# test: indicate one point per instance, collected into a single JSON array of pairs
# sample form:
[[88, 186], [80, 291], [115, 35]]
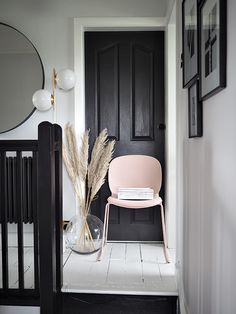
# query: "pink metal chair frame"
[[134, 171]]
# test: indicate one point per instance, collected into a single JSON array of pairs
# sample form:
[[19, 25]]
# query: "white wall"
[[207, 230], [49, 25], [170, 116]]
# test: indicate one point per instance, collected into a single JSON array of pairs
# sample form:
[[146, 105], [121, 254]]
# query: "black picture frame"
[[194, 111], [213, 44], [190, 41]]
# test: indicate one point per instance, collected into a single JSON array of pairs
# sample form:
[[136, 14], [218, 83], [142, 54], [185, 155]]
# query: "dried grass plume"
[[87, 178]]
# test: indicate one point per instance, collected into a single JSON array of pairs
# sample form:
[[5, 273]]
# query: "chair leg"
[[108, 212], [166, 251], [104, 236]]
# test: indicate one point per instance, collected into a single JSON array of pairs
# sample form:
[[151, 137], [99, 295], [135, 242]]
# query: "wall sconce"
[[43, 100]]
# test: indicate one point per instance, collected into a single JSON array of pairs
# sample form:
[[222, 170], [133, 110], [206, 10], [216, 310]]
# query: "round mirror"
[[21, 74]]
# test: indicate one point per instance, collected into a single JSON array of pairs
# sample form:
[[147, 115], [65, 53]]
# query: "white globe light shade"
[[66, 79], [42, 100]]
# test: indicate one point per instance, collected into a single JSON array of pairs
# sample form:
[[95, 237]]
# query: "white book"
[[135, 193]]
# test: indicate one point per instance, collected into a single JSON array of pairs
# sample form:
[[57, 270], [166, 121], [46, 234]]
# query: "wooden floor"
[[13, 268], [126, 268]]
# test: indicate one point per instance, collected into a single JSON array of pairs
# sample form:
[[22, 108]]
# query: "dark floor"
[[118, 304]]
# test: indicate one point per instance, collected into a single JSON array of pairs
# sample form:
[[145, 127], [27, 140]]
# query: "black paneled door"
[[125, 94]]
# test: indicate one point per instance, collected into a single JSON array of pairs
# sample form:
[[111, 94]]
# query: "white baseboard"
[[182, 302], [183, 309]]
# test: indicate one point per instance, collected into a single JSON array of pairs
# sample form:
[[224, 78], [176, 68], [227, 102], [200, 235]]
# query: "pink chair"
[[134, 171]]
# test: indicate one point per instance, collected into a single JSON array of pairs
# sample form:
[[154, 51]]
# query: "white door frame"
[[111, 24]]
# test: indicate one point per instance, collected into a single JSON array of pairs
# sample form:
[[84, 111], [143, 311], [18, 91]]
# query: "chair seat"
[[134, 204]]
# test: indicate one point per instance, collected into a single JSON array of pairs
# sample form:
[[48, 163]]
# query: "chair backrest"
[[134, 171]]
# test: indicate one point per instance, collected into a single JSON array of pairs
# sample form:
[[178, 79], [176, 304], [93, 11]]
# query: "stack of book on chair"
[[135, 194]]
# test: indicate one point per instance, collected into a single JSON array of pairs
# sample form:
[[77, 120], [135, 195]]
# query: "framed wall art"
[[190, 41], [194, 111], [212, 47]]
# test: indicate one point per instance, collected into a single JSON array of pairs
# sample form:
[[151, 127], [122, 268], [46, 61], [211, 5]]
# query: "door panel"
[[107, 93], [142, 94], [125, 94]]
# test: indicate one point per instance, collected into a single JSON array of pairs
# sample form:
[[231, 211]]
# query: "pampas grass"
[[86, 177]]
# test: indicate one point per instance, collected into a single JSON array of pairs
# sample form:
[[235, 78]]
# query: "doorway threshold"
[[127, 268]]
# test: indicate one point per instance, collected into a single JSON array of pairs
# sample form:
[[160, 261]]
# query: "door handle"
[[161, 126]]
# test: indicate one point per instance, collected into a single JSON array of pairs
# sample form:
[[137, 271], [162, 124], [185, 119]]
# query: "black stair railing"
[[31, 192]]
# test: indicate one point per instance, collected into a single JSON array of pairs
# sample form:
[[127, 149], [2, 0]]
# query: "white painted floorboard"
[[126, 268]]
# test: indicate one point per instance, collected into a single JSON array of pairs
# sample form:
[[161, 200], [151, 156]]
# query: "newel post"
[[50, 217]]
